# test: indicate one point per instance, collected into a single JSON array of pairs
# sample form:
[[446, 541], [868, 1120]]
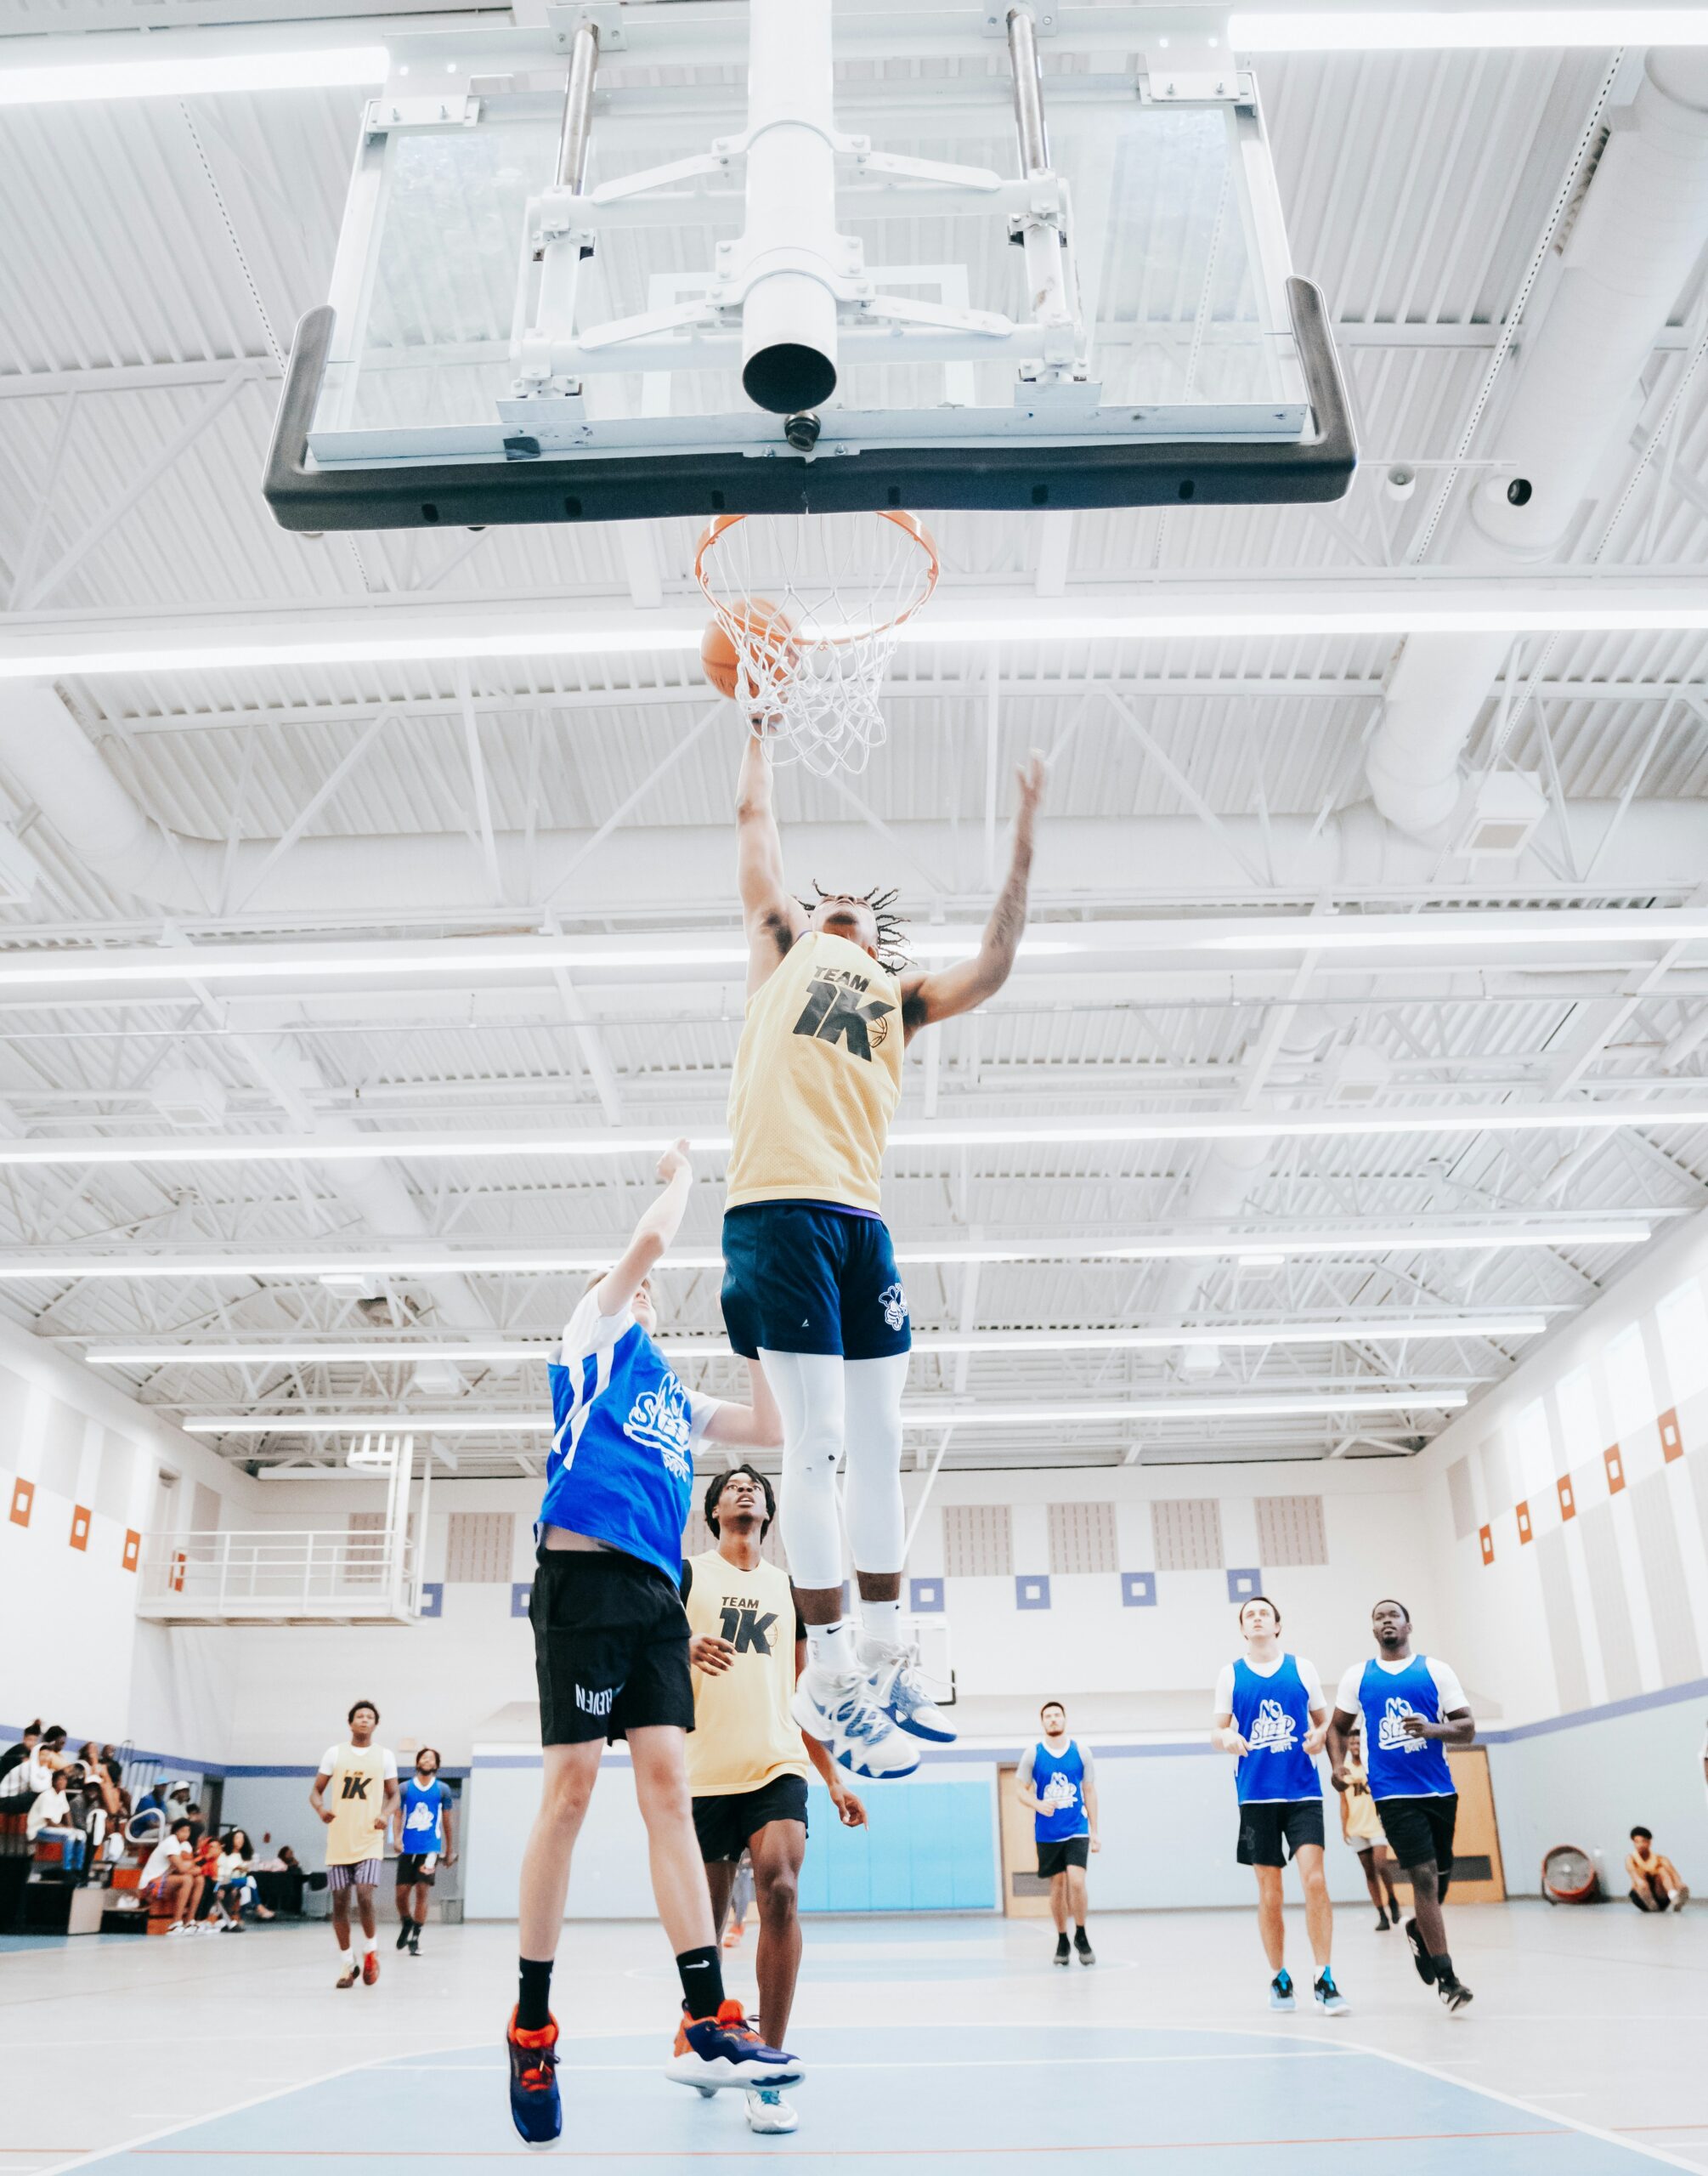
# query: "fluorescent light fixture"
[[184, 76], [1242, 1408], [70, 970], [1402, 1328], [1464, 30], [603, 1144], [47, 1264], [1521, 607]]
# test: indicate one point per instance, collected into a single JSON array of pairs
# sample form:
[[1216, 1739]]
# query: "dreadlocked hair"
[[892, 954]]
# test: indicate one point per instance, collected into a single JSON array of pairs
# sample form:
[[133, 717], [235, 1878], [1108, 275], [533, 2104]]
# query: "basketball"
[[758, 617]]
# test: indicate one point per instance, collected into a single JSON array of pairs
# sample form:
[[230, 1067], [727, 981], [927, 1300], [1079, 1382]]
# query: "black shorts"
[[1421, 1830], [1056, 1858], [1272, 1831], [610, 1647], [412, 1867], [801, 1278], [726, 1825]]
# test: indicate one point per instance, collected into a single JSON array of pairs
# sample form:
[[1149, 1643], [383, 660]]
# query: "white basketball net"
[[813, 606]]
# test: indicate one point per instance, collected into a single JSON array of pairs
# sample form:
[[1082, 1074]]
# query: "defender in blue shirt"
[[1411, 1709], [1271, 1714], [1056, 1783], [424, 1836], [611, 1653]]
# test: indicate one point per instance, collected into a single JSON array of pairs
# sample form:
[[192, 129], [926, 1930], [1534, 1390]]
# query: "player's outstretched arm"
[[1341, 1724], [756, 1427], [772, 916], [943, 993], [651, 1235]]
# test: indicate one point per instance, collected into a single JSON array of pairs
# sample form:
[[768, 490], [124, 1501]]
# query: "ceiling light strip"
[[603, 1145], [1466, 30], [186, 76], [1376, 1238], [987, 1416]]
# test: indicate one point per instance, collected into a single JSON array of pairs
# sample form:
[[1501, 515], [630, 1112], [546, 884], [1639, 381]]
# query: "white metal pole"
[[422, 1530], [788, 319]]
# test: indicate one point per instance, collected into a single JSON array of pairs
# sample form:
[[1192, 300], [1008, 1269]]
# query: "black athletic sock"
[[1445, 1976], [533, 2000], [1061, 1943], [1079, 1941], [701, 1977]]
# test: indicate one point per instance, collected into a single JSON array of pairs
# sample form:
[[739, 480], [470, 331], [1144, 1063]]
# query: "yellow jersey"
[[357, 1796], [744, 1733], [1363, 1822], [817, 1077]]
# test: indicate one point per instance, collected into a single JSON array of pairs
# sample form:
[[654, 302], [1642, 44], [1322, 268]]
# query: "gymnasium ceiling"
[[154, 256]]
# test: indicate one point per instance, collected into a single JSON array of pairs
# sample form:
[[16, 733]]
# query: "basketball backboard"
[[779, 257]]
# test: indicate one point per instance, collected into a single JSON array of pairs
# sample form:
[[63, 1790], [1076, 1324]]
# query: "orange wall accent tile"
[[1614, 1459], [1487, 1536], [1568, 1500], [23, 1499], [81, 1515], [1523, 1511], [133, 1542], [1671, 1441]]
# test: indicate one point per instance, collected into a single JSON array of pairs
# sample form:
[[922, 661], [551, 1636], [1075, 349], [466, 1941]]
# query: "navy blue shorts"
[[799, 1278]]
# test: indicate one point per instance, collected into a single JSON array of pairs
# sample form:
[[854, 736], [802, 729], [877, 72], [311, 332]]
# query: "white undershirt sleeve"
[[1224, 1694], [1448, 1685], [1311, 1682], [327, 1760], [1346, 1697]]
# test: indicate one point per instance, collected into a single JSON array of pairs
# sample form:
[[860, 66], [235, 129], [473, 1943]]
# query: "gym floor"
[[933, 2043]]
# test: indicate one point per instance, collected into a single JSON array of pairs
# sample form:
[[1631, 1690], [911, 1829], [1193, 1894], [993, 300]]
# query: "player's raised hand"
[[674, 1160], [1030, 779]]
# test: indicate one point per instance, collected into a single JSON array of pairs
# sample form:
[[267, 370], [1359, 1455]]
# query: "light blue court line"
[[11, 1942], [917, 2101]]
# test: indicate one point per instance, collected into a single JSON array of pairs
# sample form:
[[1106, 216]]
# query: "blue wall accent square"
[[1245, 1583], [433, 1599], [1139, 1590], [924, 1597], [521, 1594], [1031, 1590]]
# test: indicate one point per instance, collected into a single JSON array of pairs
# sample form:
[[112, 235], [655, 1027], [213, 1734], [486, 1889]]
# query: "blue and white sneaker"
[[859, 1736], [1280, 1991], [894, 1683], [536, 2107], [1329, 1997], [714, 2051]]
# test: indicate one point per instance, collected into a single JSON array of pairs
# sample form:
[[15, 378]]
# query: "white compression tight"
[[825, 1401]]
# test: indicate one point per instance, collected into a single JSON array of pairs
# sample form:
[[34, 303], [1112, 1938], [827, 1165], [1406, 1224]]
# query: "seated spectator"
[[1654, 1883], [170, 1885], [56, 1815], [206, 1849], [16, 1760], [238, 1890]]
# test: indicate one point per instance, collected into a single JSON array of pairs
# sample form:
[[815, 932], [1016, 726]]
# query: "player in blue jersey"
[[425, 1839], [611, 1653], [1412, 1708], [1057, 1783], [1270, 1714]]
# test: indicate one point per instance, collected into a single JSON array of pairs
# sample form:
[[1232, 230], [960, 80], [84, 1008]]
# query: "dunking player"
[[747, 1758], [363, 1778], [1269, 1713], [810, 1282], [1409, 1708], [611, 1653]]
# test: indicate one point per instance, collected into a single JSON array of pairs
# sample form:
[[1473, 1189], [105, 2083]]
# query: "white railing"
[[270, 1573]]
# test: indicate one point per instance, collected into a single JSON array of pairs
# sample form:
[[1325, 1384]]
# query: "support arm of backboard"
[[638, 486]]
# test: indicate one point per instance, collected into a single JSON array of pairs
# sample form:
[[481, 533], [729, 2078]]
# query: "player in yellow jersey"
[[747, 1756], [810, 1282], [362, 1778]]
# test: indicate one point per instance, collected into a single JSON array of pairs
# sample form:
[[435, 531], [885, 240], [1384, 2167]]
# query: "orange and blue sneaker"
[[714, 2051], [536, 2108]]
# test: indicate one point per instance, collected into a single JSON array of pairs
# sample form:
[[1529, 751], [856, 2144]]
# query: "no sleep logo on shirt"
[[833, 1013]]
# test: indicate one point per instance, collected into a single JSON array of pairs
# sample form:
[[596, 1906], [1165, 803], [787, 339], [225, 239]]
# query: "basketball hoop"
[[809, 609]]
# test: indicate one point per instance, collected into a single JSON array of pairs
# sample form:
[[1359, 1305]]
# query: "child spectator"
[[1654, 1883]]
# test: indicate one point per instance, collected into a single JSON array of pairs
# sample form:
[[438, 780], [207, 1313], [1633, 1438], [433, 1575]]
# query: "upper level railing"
[[269, 1575]]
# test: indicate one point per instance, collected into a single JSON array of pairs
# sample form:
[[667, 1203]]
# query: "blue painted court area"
[[908, 2101]]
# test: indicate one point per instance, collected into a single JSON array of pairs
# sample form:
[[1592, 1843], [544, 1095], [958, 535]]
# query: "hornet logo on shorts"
[[1273, 1730], [1391, 1731], [659, 1419], [894, 1302]]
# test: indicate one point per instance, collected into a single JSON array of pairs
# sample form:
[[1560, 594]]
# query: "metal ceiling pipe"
[[1638, 238]]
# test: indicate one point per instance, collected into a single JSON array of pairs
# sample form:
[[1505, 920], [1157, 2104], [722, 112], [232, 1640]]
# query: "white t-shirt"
[[588, 1331], [1451, 1692], [1307, 1677], [160, 1860], [52, 1810]]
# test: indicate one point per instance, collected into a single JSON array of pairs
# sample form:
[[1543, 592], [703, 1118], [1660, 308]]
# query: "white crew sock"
[[881, 1627], [831, 1650], [367, 1940]]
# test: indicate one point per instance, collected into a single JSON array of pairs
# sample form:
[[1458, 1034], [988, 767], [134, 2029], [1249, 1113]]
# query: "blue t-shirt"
[[424, 1805], [621, 1468], [1058, 1781], [1399, 1767], [1272, 1714]]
